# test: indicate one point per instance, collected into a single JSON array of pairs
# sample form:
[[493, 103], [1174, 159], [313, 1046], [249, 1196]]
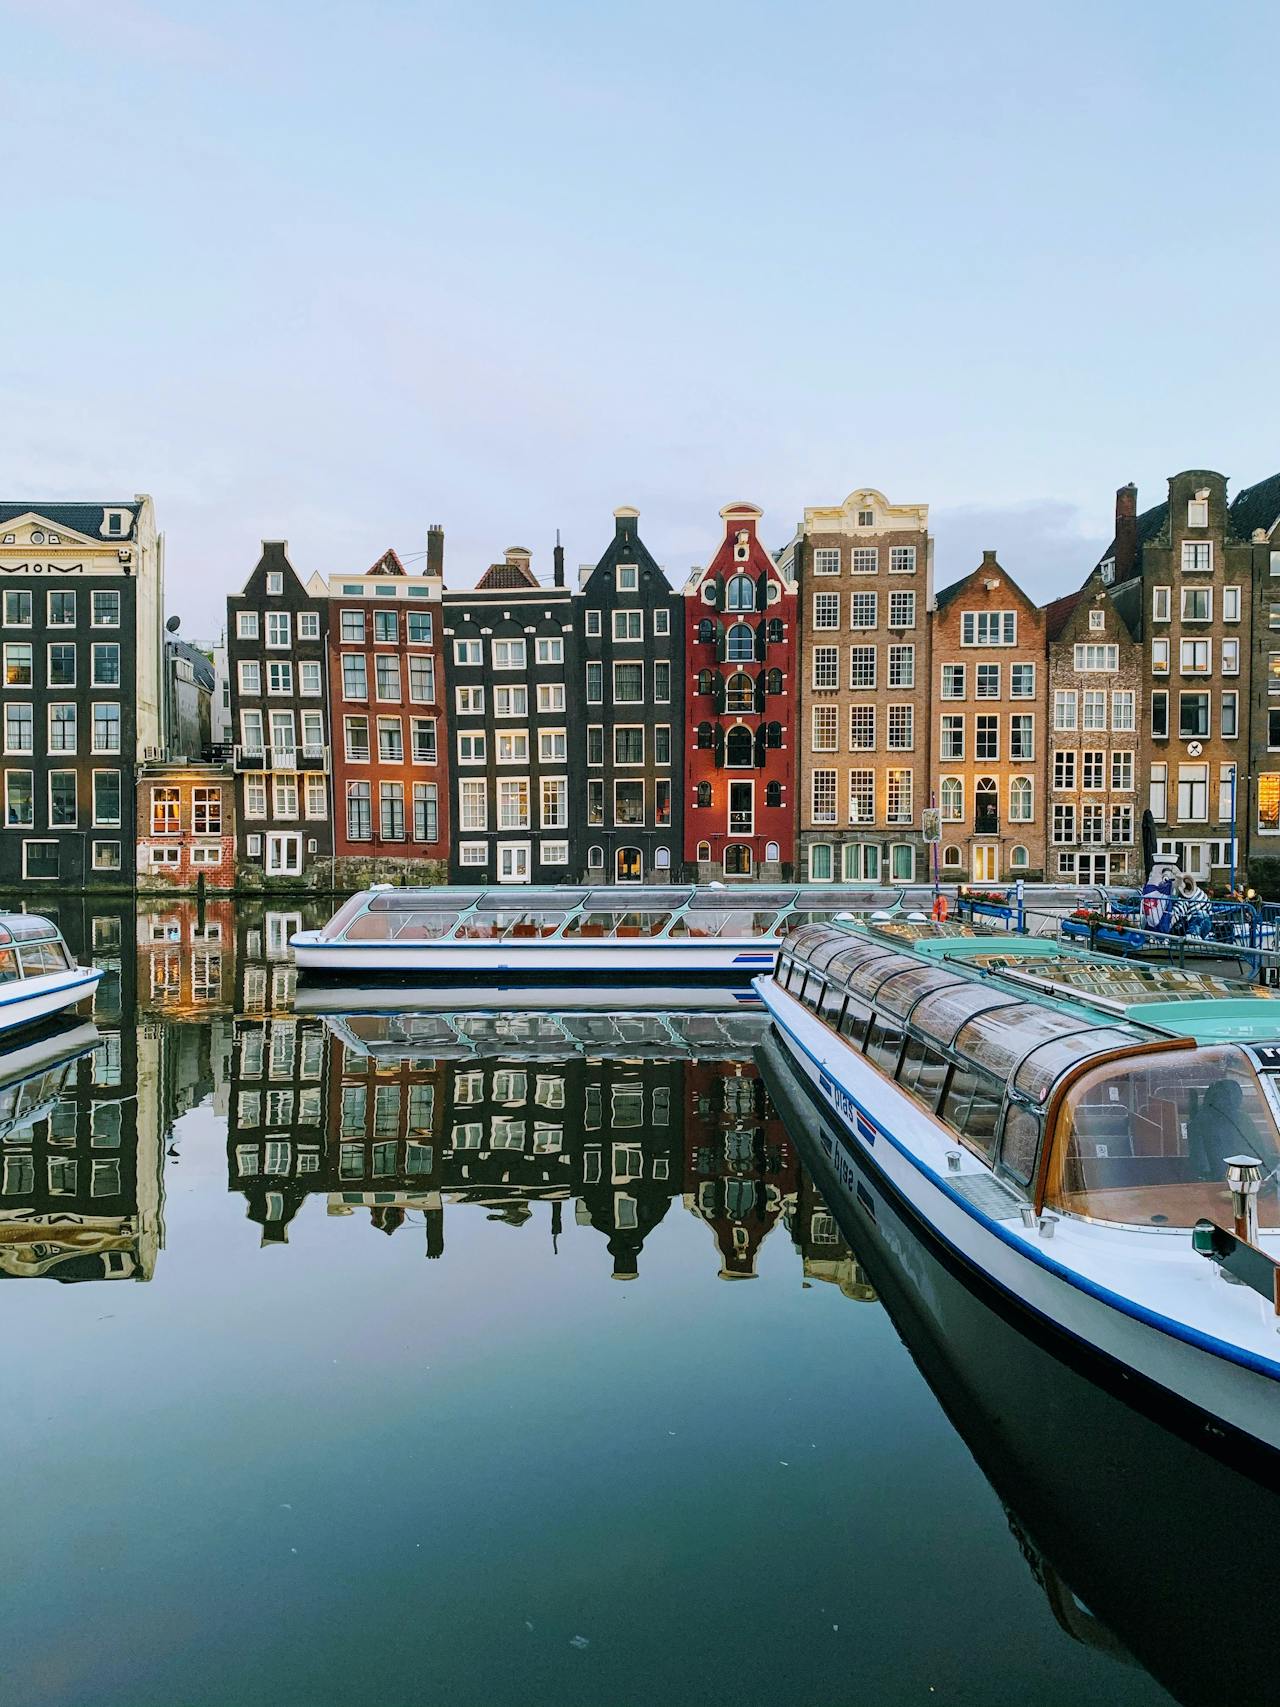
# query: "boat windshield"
[[405, 927], [30, 927], [41, 957], [1145, 1140]]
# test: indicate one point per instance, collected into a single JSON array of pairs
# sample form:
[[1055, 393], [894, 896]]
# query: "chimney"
[[558, 559], [435, 550], [624, 522], [1126, 549], [988, 559]]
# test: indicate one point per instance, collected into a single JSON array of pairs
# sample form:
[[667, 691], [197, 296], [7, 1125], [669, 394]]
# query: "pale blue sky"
[[333, 272]]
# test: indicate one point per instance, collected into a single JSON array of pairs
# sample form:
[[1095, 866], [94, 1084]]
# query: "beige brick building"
[[988, 713], [865, 575]]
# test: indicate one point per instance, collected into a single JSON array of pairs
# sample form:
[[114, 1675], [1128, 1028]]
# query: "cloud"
[[1046, 544]]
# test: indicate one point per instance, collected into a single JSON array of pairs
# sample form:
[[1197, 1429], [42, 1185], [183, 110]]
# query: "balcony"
[[281, 758]]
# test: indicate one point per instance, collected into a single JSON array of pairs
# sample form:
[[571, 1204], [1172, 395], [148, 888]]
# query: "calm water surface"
[[521, 1362]]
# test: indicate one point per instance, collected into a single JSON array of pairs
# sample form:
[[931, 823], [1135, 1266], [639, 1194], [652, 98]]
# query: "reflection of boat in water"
[[1141, 1540], [496, 995], [669, 935], [1062, 1131], [550, 1035]]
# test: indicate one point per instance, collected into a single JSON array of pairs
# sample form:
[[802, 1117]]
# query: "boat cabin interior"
[[30, 946], [1054, 1072]]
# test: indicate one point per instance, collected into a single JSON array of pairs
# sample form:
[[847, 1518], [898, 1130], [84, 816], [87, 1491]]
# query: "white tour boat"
[[38, 977], [1095, 1141], [677, 935]]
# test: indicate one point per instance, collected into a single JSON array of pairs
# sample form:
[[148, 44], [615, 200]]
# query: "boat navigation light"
[[1244, 1177]]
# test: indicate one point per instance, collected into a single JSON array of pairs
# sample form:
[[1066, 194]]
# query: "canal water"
[[494, 1359]]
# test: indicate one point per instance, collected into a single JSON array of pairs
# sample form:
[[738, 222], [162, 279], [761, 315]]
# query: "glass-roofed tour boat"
[[38, 977], [1096, 1142], [568, 934]]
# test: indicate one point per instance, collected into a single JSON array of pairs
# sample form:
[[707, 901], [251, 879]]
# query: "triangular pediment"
[[387, 564], [19, 533]]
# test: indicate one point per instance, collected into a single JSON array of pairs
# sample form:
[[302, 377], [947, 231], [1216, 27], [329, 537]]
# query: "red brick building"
[[740, 709], [386, 688], [186, 826]]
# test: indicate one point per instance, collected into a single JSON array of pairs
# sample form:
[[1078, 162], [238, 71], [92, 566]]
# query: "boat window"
[[999, 1041], [698, 921], [8, 966], [371, 927], [899, 994], [616, 924], [342, 918], [865, 980], [31, 927], [923, 1072], [832, 1003], [423, 927], [854, 1021], [1146, 1140], [41, 957], [1044, 1066], [1020, 1143], [884, 1043], [941, 1014], [829, 945], [971, 1108], [813, 989]]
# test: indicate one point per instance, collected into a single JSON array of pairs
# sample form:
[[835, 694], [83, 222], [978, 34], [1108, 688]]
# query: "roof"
[[1257, 506], [79, 518], [990, 563], [1058, 612], [201, 664], [387, 564], [1126, 598], [504, 575], [1150, 523]]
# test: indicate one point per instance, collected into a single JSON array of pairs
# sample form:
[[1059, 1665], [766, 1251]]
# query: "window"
[[1193, 794], [40, 860], [953, 681], [1122, 772], [1159, 792], [902, 666], [1198, 511], [62, 607], [862, 728], [1160, 714], [423, 736], [898, 798], [468, 652], [391, 811], [987, 681], [1122, 710], [595, 682], [509, 655], [595, 800], [1122, 825], [513, 804], [355, 680], [628, 684], [1103, 657], [1197, 555], [1160, 604], [422, 679], [351, 627], [740, 643], [553, 746], [1020, 800], [62, 728], [1193, 716], [106, 856], [1095, 709], [1231, 604], [553, 853], [824, 797], [1064, 822], [628, 803], [826, 666], [628, 625], [1092, 770], [988, 628], [473, 748], [555, 803], [1022, 681], [106, 798], [1022, 736], [1197, 604], [550, 696], [1093, 825], [820, 867], [1097, 621], [902, 559], [951, 799], [62, 664], [902, 610], [865, 559], [17, 607], [662, 681], [628, 577], [308, 625], [279, 629], [206, 809], [310, 684], [1231, 657], [986, 736], [628, 744], [862, 797], [473, 804], [512, 746], [255, 795], [386, 675], [1064, 770], [247, 625], [360, 811], [902, 727], [826, 560], [862, 610], [952, 735], [279, 677], [662, 744], [275, 581], [662, 622], [390, 740], [511, 702], [19, 727], [386, 627], [862, 666], [1065, 702], [826, 611], [1229, 717], [62, 800]]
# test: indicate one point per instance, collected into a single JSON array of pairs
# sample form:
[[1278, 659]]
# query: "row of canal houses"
[[818, 712]]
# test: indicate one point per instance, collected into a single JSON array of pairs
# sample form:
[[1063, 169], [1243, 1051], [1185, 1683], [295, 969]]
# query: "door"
[[513, 862], [629, 866], [986, 864], [284, 855]]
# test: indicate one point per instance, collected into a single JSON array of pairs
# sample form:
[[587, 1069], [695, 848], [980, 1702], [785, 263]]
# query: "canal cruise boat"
[[38, 977], [1093, 1142], [674, 935]]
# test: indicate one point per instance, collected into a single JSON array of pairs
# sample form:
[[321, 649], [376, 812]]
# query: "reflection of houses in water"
[[276, 1119], [741, 1164], [384, 1150], [186, 958], [264, 971], [823, 1250], [81, 1189]]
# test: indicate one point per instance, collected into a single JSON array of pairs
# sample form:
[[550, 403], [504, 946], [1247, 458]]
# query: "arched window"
[[359, 811], [772, 851], [595, 859], [704, 852], [706, 632], [737, 860], [740, 644], [740, 693], [704, 795], [952, 798], [1019, 858], [902, 863], [773, 734], [773, 634], [1020, 800], [706, 681], [773, 794], [773, 681], [706, 736], [986, 807], [662, 859], [950, 856], [739, 747], [740, 594]]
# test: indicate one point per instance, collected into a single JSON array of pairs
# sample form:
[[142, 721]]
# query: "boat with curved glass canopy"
[[565, 933], [38, 977], [1079, 1133]]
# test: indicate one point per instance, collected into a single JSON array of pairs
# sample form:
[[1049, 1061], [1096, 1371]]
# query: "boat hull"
[[31, 1000], [1231, 1390], [548, 961]]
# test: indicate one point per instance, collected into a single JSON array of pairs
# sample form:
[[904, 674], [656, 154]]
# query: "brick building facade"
[[186, 826]]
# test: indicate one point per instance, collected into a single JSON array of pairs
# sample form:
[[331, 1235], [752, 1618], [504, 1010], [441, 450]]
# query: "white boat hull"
[[30, 1000], [878, 1129], [547, 959]]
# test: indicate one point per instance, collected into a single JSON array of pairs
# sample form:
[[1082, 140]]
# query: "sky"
[[331, 273]]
